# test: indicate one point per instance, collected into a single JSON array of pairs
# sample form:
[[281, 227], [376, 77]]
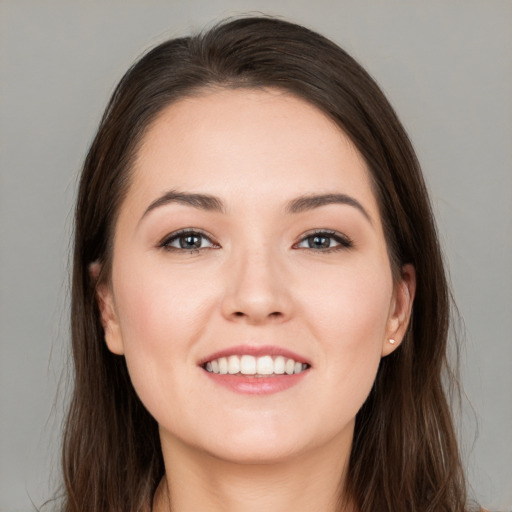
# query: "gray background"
[[445, 65]]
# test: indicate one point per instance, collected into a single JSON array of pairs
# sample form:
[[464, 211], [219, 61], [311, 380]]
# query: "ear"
[[106, 305], [400, 310]]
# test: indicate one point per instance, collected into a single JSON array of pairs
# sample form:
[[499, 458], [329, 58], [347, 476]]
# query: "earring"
[[392, 341]]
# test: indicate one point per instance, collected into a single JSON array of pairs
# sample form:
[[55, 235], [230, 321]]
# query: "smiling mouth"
[[263, 366]]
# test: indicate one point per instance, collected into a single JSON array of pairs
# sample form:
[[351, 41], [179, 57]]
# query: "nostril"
[[274, 314]]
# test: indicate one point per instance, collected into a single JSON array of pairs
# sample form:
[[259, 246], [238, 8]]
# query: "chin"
[[261, 445], [259, 454]]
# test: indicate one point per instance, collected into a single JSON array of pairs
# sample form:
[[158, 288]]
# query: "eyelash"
[[343, 241], [182, 233]]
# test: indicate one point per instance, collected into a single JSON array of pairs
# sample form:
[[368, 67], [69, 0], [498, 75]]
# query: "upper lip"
[[256, 351]]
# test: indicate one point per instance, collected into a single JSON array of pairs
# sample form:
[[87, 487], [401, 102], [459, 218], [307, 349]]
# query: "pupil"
[[322, 242], [190, 242]]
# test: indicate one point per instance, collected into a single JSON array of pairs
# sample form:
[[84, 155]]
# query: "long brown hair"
[[404, 455]]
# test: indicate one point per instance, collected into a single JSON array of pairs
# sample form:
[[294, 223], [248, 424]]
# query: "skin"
[[255, 281]]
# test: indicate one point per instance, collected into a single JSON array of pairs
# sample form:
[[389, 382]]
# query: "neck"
[[198, 481]]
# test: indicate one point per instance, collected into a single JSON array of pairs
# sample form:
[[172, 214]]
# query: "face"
[[250, 237]]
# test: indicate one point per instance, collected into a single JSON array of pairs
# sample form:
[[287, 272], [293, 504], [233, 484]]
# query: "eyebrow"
[[199, 201], [309, 202], [301, 204]]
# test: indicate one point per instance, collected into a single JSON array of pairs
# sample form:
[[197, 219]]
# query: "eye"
[[325, 241], [187, 240]]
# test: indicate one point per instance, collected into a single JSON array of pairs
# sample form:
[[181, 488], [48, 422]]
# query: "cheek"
[[158, 308], [350, 305], [161, 315], [351, 328]]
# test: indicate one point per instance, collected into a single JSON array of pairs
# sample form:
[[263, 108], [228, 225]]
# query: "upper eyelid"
[[344, 241], [318, 231], [180, 232], [329, 232]]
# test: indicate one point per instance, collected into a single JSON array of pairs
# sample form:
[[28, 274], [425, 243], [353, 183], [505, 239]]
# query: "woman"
[[259, 308]]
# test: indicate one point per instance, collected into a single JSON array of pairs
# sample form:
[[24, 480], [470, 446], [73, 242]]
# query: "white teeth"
[[223, 366], [279, 365], [233, 365], [265, 365], [250, 365]]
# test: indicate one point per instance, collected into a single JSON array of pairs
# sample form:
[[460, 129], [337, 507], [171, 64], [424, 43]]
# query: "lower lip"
[[250, 385]]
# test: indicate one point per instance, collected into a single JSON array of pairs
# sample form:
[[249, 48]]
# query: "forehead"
[[263, 141]]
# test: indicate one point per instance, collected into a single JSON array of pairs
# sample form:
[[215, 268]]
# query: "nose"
[[257, 289]]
